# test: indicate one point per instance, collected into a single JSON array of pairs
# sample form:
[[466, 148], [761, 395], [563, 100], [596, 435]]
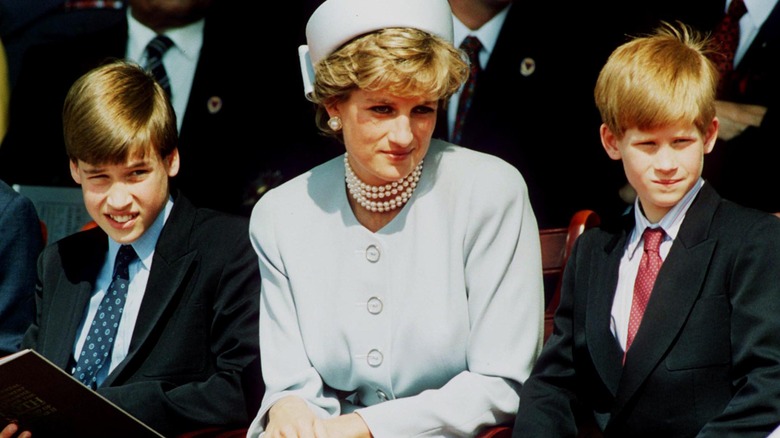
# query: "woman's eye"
[[381, 109], [424, 110]]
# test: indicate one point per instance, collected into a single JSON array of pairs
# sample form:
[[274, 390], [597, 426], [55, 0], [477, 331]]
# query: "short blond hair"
[[658, 80], [402, 61], [115, 111]]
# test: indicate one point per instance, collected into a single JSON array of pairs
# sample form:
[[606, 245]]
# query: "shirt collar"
[[487, 34], [758, 10], [144, 245], [188, 39], [670, 223]]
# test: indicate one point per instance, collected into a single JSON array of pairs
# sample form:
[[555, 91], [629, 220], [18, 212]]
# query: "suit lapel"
[[604, 349], [767, 35], [170, 266], [678, 286], [81, 262]]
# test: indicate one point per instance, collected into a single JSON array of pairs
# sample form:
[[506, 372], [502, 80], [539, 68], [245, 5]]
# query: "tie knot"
[[472, 46], [653, 238], [124, 257], [158, 46], [737, 9]]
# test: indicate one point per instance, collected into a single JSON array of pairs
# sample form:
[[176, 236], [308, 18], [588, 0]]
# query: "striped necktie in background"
[[472, 46], [154, 54]]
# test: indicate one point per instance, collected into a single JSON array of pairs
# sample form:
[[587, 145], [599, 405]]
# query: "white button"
[[372, 253], [374, 305], [374, 358], [381, 394]]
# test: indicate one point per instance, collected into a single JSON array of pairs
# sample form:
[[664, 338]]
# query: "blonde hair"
[[658, 80], [116, 111], [402, 61]]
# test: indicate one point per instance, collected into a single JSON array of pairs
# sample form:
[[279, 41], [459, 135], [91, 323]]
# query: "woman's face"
[[386, 136]]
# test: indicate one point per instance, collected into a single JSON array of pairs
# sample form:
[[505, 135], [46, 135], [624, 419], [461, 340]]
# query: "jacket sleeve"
[[754, 295], [19, 248]]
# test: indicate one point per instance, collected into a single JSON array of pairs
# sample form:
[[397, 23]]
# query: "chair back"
[[556, 247], [44, 232]]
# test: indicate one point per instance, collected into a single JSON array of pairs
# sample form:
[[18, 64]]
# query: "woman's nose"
[[401, 131]]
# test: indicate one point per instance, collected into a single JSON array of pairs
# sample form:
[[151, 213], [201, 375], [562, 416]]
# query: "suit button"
[[381, 395], [372, 254], [374, 305], [374, 358]]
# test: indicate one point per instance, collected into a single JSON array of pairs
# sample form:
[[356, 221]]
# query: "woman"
[[402, 288]]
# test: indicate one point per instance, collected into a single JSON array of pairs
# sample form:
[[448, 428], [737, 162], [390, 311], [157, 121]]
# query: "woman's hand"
[[11, 430], [292, 417], [347, 426]]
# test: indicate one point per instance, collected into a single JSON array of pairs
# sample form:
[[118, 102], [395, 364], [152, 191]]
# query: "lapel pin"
[[527, 67], [214, 104]]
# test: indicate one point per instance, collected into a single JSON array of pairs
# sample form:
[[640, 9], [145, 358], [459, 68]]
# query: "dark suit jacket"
[[194, 356], [224, 151], [545, 123], [706, 359], [20, 245]]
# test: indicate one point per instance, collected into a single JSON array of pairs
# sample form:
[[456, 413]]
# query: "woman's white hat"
[[336, 22]]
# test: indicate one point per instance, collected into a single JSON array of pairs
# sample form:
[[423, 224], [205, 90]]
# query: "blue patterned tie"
[[97, 347], [154, 54]]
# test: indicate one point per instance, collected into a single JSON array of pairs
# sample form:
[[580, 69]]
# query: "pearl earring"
[[334, 123]]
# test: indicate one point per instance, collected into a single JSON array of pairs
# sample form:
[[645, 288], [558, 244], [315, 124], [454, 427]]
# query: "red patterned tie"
[[471, 46], [645, 279], [726, 39]]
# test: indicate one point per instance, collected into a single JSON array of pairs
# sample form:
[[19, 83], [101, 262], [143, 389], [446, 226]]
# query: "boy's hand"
[[11, 430], [736, 117]]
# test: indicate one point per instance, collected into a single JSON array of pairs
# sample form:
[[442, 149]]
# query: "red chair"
[[44, 232], [496, 432], [215, 432], [556, 247]]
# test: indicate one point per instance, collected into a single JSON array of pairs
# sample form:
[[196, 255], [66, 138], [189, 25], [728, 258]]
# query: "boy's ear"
[[609, 141], [172, 163], [711, 136], [74, 171]]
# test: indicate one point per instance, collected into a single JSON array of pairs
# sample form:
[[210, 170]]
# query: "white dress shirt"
[[629, 264], [750, 23], [180, 61], [138, 271]]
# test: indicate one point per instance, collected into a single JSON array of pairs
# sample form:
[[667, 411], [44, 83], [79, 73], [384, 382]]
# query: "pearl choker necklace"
[[367, 195]]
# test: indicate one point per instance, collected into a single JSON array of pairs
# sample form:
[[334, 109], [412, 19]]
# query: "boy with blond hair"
[[667, 326]]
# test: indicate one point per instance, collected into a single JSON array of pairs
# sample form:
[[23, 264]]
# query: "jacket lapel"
[[678, 286], [170, 267], [603, 346], [81, 261]]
